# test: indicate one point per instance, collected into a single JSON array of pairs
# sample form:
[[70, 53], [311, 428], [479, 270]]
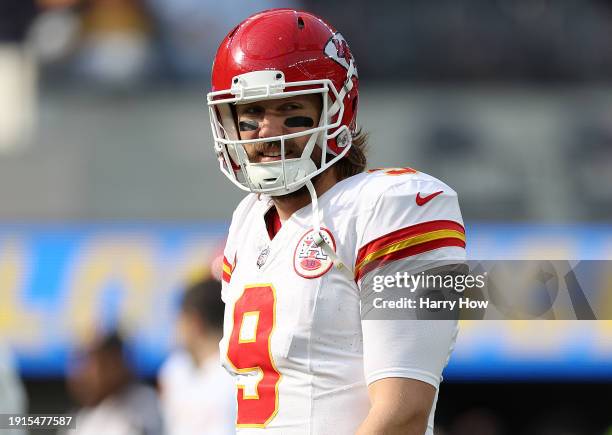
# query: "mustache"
[[265, 147]]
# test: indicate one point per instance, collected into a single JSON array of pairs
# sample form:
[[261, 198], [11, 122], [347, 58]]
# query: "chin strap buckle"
[[318, 239], [320, 242]]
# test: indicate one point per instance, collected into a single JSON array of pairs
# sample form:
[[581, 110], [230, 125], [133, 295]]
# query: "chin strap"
[[318, 238]]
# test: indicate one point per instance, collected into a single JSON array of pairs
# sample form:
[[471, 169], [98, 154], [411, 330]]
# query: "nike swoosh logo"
[[422, 200]]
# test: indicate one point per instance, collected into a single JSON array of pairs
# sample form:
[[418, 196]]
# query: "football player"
[[196, 393], [307, 244]]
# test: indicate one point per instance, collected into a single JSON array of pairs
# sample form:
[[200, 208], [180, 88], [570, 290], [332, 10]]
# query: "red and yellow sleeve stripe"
[[227, 270], [407, 242]]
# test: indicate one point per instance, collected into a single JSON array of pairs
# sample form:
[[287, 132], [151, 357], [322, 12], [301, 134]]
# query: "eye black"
[[249, 125], [299, 121]]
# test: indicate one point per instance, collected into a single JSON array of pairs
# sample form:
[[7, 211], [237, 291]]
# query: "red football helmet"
[[275, 54]]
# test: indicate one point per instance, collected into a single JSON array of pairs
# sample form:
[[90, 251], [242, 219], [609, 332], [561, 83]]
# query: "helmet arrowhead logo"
[[337, 49], [342, 49]]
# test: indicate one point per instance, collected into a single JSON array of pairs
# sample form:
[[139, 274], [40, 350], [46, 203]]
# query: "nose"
[[270, 126]]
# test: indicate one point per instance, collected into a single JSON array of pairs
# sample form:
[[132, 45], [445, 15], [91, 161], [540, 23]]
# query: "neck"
[[206, 347], [286, 205]]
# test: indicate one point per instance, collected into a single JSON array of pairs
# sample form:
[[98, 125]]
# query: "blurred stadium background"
[[110, 197]]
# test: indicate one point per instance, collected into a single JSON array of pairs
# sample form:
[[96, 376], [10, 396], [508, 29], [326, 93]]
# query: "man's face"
[[188, 330], [275, 118], [99, 375]]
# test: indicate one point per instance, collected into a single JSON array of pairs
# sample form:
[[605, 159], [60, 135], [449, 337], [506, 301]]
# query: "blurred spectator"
[[191, 30], [113, 402], [17, 73], [198, 395], [115, 49], [12, 394]]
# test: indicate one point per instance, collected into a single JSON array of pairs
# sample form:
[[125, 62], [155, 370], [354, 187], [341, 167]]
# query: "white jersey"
[[294, 339], [133, 411], [196, 400]]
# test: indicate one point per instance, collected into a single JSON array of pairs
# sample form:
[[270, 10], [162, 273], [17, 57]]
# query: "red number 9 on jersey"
[[249, 352]]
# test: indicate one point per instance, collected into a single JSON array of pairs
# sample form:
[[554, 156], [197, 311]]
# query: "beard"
[[303, 192], [292, 151], [256, 151]]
